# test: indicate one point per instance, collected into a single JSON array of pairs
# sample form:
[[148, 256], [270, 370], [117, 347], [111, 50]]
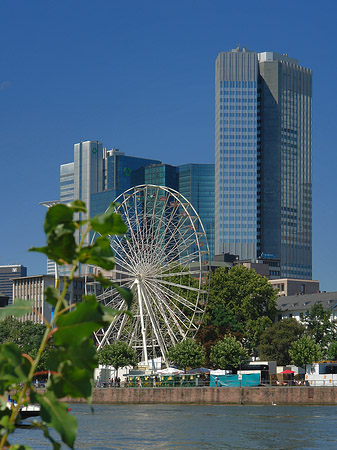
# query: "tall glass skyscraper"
[[196, 183], [263, 154]]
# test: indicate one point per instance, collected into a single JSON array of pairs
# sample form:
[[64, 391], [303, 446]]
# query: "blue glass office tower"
[[121, 172], [196, 183], [263, 153]]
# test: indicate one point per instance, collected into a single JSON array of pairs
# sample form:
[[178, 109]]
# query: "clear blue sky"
[[139, 76]]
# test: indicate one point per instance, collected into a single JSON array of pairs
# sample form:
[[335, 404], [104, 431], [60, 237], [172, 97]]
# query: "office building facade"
[[196, 184], [7, 274], [263, 154], [98, 176]]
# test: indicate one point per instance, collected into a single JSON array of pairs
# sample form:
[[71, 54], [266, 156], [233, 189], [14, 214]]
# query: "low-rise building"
[[291, 286], [297, 305], [33, 287], [322, 373]]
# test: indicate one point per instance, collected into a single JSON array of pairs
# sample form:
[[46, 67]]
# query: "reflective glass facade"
[[263, 152], [196, 183], [67, 182], [236, 154], [161, 175]]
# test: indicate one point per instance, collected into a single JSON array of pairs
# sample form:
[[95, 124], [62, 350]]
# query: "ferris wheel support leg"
[[140, 299]]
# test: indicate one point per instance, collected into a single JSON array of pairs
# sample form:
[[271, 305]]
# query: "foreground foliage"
[[72, 361]]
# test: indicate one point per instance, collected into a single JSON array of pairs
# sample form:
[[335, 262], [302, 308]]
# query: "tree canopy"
[[228, 353], [320, 326], [241, 303], [187, 354], [26, 335], [305, 351], [119, 354], [277, 339]]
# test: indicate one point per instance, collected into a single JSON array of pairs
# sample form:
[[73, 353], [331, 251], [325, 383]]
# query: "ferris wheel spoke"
[[108, 331], [182, 300], [135, 241], [163, 306], [182, 286], [172, 230], [168, 219], [158, 301], [121, 254], [177, 240], [175, 309], [154, 323]]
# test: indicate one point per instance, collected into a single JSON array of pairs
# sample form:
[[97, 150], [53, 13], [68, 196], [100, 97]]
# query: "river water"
[[142, 427]]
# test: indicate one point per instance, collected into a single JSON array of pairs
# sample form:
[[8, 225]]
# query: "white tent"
[[170, 371]]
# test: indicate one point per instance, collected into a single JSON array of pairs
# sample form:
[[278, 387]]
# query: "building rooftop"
[[306, 301]]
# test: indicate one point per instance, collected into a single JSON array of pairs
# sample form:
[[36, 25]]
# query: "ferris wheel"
[[164, 260]]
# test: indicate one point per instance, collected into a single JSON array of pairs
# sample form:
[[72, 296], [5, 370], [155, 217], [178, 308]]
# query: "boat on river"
[[26, 411]]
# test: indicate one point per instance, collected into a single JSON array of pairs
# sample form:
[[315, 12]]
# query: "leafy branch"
[[72, 362]]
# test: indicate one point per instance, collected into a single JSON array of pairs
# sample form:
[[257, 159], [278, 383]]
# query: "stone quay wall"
[[285, 395]]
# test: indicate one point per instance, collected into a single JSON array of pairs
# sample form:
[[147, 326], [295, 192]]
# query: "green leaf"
[[56, 215], [105, 282], [20, 447], [76, 368], [126, 293], [78, 324], [72, 381], [51, 295], [84, 356], [56, 415], [14, 368], [44, 428], [78, 206], [108, 223], [61, 245], [5, 423], [99, 254], [18, 309]]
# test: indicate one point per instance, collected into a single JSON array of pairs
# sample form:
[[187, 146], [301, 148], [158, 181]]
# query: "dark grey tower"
[[286, 163], [263, 159]]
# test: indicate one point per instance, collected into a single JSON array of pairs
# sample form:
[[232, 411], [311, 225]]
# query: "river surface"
[[142, 427]]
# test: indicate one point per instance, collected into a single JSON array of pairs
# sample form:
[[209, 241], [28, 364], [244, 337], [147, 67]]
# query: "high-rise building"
[[263, 154], [7, 274], [98, 176], [196, 183]]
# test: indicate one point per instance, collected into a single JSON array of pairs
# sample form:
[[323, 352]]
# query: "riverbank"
[[286, 395]]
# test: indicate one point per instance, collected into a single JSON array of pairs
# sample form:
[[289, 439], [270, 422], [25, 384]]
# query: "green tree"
[[73, 359], [332, 351], [276, 340], [240, 303], [305, 351], [119, 354], [27, 336], [228, 353], [320, 326], [187, 354]]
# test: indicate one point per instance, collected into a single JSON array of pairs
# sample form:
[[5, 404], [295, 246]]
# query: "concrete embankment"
[[217, 396]]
